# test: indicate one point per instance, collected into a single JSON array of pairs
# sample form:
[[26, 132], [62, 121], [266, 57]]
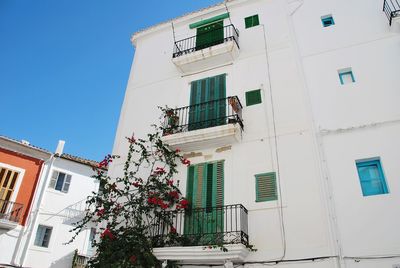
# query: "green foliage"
[[135, 209]]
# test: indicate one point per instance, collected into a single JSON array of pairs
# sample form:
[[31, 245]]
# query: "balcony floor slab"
[[202, 254], [204, 138]]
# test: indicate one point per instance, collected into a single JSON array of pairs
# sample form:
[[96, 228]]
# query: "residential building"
[[288, 113], [58, 200]]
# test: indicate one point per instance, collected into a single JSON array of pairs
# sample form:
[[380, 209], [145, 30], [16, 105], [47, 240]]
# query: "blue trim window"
[[346, 76], [327, 20], [371, 177]]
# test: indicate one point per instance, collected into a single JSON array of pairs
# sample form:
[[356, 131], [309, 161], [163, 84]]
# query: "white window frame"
[[55, 176]]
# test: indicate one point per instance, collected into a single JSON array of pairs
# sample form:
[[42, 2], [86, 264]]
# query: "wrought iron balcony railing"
[[191, 44], [203, 226], [10, 211], [391, 9], [204, 115]]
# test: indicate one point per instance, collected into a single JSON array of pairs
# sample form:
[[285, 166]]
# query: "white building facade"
[[287, 112], [63, 204], [57, 186]]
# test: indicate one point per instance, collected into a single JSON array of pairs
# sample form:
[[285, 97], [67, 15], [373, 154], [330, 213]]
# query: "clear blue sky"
[[64, 65]]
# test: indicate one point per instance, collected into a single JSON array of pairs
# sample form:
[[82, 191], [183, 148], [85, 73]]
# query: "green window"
[[207, 104], [253, 97], [251, 21], [205, 193], [210, 35], [266, 187]]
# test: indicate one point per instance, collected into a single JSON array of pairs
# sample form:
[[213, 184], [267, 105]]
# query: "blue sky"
[[64, 66]]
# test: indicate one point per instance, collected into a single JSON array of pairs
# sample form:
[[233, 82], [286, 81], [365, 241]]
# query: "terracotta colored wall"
[[32, 168]]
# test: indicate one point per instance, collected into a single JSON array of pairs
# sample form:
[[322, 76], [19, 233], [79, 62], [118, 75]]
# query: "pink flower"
[[174, 194], [107, 233], [170, 182], [100, 212], [172, 230], [185, 161], [183, 204], [177, 150], [133, 259], [136, 184]]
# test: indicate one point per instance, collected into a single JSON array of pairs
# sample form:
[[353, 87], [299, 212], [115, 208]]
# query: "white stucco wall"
[[355, 121]]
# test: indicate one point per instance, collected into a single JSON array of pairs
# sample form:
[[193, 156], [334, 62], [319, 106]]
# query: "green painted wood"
[[202, 91], [266, 188], [251, 21], [208, 21], [209, 35], [253, 97]]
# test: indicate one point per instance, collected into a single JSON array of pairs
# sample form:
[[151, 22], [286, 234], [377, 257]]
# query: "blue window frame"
[[346, 76], [327, 20], [371, 177]]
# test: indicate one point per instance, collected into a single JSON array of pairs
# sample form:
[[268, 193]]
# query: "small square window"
[[266, 187], [346, 76], [327, 20], [60, 181], [371, 177], [43, 235], [251, 21], [253, 97]]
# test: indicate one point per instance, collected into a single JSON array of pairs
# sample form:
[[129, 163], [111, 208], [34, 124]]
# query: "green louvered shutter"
[[210, 35], [205, 190], [203, 112], [266, 189]]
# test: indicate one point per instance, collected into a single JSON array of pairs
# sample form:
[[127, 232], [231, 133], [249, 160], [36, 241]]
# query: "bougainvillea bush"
[[134, 209]]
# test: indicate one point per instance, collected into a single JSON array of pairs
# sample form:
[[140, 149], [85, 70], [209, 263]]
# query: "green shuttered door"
[[205, 192], [210, 35], [204, 110]]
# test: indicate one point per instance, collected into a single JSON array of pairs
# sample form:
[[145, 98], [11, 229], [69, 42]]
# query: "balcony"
[[391, 9], [213, 48], [209, 124], [199, 228], [10, 214]]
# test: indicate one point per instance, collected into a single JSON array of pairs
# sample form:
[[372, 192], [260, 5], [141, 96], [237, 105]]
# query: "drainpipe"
[[40, 197]]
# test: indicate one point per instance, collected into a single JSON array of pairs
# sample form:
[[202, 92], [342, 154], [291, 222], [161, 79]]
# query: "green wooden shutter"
[[266, 189], [210, 35], [251, 21], [219, 184], [253, 97]]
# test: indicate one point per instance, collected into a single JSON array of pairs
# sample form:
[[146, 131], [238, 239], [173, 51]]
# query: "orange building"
[[21, 165]]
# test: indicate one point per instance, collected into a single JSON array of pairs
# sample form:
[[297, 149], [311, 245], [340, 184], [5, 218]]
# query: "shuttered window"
[[60, 181], [266, 187], [205, 185], [8, 180], [43, 235], [251, 21], [253, 97]]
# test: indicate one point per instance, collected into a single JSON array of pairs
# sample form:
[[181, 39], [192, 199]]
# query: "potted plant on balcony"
[[171, 120]]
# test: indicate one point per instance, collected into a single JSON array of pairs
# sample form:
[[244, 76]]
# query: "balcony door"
[[8, 179], [207, 102], [210, 35], [204, 222]]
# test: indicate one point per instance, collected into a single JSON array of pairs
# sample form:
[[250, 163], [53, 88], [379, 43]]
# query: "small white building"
[[52, 190], [63, 204], [288, 113]]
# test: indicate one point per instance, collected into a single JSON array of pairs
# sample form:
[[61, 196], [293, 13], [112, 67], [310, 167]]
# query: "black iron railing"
[[204, 226], [204, 115], [191, 44], [10, 211], [391, 9]]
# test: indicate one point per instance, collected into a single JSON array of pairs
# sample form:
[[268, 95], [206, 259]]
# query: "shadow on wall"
[[64, 262]]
